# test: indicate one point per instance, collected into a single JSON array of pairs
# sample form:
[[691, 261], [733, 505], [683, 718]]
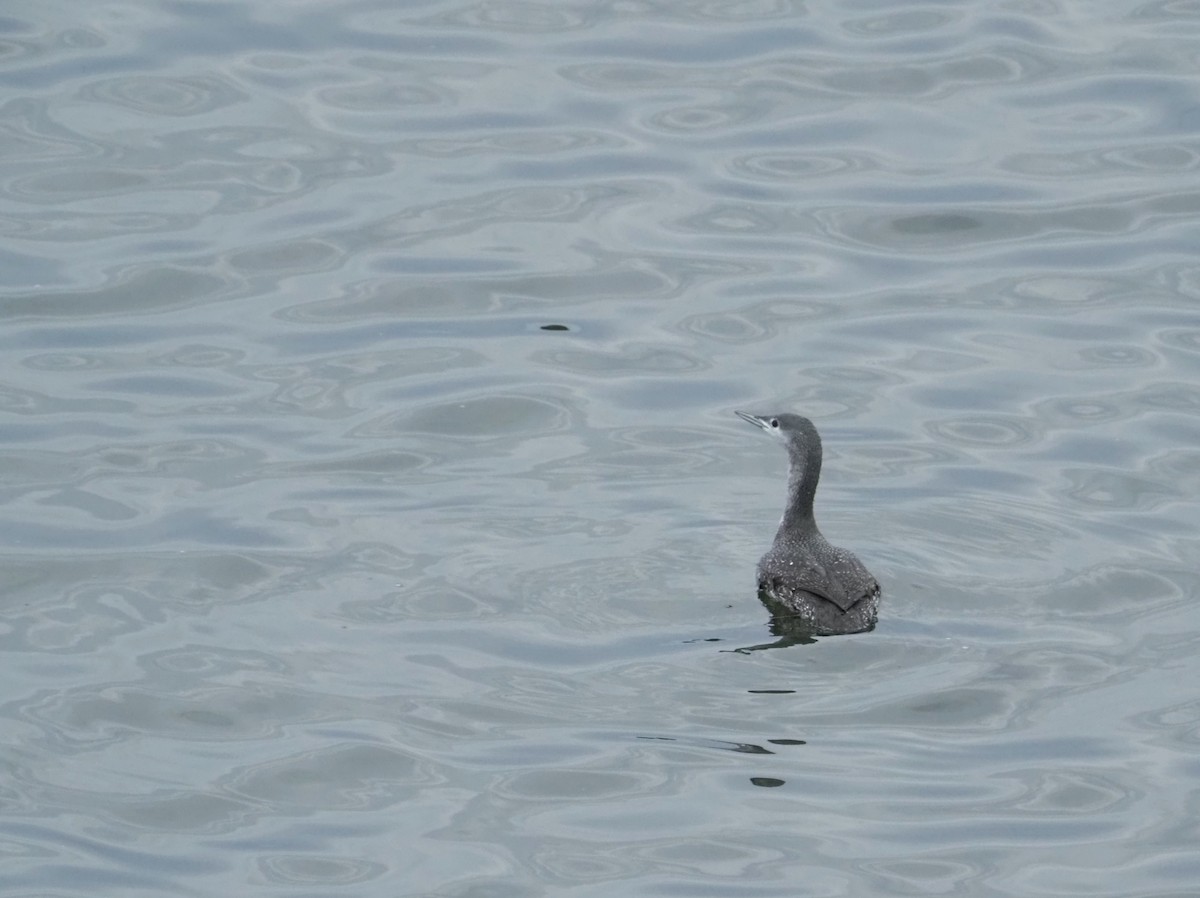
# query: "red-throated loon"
[[802, 574]]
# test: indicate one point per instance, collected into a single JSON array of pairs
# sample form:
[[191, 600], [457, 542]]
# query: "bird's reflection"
[[788, 632], [788, 629]]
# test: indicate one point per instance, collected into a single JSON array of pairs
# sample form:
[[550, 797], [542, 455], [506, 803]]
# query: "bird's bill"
[[754, 419]]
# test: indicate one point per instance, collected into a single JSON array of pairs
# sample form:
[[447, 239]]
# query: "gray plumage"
[[803, 575]]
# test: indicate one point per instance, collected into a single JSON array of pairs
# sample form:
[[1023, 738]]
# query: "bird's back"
[[824, 584]]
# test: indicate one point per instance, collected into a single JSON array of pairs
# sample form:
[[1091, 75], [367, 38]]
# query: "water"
[[328, 569]]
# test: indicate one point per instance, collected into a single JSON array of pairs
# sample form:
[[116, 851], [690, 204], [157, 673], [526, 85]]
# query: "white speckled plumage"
[[802, 575]]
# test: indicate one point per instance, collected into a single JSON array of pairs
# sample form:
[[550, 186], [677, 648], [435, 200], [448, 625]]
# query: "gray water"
[[329, 570]]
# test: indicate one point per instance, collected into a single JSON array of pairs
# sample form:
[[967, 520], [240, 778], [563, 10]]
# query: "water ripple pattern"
[[374, 516]]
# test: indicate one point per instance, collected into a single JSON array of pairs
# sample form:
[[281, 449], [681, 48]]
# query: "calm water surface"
[[329, 570]]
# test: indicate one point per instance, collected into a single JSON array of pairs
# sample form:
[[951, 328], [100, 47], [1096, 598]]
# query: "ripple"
[[513, 143], [901, 459], [518, 17], [730, 219], [579, 785], [962, 533], [20, 401], [385, 464], [741, 10], [292, 257], [1164, 158], [164, 95], [702, 118], [920, 225], [630, 358], [433, 600], [199, 356], [1067, 409], [632, 454], [130, 291], [1118, 357], [34, 136], [85, 226], [1104, 589], [1067, 292], [1185, 339], [754, 323], [981, 430], [315, 869], [1170, 11], [929, 231], [318, 397], [213, 714], [64, 361], [489, 417], [50, 188], [382, 95], [940, 361], [608, 76], [1178, 467], [1161, 158], [1178, 396], [566, 864], [529, 203], [925, 876], [895, 81], [350, 777], [1114, 489], [88, 618], [209, 661], [1180, 721], [1115, 215], [1073, 793], [911, 21], [163, 385], [792, 167]]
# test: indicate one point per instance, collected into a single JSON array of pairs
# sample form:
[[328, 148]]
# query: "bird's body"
[[802, 575]]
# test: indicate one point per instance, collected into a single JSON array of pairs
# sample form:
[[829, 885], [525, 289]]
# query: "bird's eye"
[[775, 422]]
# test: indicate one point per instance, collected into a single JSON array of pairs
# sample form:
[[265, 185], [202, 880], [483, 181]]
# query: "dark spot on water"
[[767, 782], [787, 742], [771, 691], [555, 327]]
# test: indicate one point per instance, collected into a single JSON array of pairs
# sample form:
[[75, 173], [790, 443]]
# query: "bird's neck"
[[803, 474]]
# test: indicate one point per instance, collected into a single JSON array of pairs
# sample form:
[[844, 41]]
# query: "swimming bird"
[[802, 575]]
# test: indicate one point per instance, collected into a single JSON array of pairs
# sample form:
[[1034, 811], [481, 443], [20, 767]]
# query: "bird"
[[802, 576]]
